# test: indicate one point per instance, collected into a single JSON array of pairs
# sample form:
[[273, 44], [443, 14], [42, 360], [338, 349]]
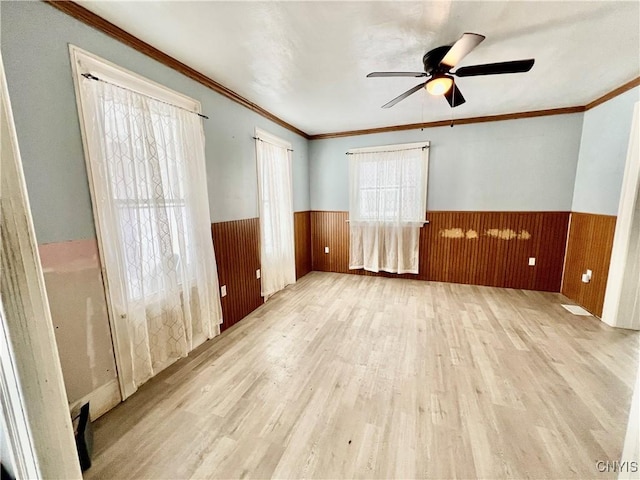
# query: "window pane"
[[390, 185]]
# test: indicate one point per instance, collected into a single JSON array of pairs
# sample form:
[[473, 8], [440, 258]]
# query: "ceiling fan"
[[439, 62]]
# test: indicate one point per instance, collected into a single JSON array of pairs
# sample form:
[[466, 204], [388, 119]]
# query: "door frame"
[[34, 402], [629, 195]]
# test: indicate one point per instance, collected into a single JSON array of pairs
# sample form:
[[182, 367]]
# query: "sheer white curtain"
[[277, 251], [387, 207], [150, 200]]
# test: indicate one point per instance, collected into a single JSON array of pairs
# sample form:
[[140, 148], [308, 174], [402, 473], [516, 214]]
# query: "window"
[[149, 197], [275, 197], [144, 146], [389, 184], [387, 206]]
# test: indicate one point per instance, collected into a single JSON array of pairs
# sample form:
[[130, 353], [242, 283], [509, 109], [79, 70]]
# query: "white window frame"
[[262, 135], [399, 147], [85, 62], [269, 137]]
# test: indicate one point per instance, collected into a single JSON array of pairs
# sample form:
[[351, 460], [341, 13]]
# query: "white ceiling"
[[306, 62]]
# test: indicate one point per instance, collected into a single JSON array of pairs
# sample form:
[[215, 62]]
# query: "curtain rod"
[[93, 77], [423, 222], [270, 143], [390, 151]]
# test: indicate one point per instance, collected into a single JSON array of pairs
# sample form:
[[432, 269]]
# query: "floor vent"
[[576, 310]]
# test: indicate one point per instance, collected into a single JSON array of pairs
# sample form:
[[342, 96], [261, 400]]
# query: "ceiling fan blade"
[[515, 66], [404, 95], [461, 49], [454, 96], [396, 74]]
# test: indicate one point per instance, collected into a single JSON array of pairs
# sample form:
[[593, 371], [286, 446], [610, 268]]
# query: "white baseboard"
[[101, 400]]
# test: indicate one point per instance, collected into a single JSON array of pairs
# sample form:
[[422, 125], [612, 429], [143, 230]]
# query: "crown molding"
[[613, 93], [89, 18], [445, 123], [490, 118]]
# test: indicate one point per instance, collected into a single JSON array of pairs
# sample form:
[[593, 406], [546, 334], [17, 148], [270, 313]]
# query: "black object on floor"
[[4, 475], [84, 437]]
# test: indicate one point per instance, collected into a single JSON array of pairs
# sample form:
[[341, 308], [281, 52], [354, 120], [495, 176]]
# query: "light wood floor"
[[345, 376]]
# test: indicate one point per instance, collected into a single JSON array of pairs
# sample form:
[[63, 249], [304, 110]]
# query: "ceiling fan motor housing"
[[432, 59]]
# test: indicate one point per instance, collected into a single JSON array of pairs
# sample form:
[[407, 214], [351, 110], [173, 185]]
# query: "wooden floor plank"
[[344, 376]]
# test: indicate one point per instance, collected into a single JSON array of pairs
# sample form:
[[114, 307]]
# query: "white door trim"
[[34, 402], [627, 215]]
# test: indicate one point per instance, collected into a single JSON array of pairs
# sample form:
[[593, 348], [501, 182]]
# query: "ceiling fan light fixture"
[[439, 85], [438, 63]]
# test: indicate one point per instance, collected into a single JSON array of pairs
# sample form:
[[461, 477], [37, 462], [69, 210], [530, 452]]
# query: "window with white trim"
[[389, 183], [144, 146]]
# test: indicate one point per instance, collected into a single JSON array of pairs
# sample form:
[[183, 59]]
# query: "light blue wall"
[[34, 40], [527, 164], [514, 165], [603, 154]]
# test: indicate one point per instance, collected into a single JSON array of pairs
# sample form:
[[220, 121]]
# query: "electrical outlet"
[[532, 261], [589, 274], [223, 291], [258, 273], [326, 249]]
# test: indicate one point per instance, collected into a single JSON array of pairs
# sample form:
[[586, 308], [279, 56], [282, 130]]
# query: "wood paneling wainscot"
[[493, 248], [588, 248], [237, 247], [479, 248], [330, 229], [302, 232]]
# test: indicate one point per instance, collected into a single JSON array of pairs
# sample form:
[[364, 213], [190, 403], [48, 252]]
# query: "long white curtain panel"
[[147, 168], [387, 206], [277, 250]]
